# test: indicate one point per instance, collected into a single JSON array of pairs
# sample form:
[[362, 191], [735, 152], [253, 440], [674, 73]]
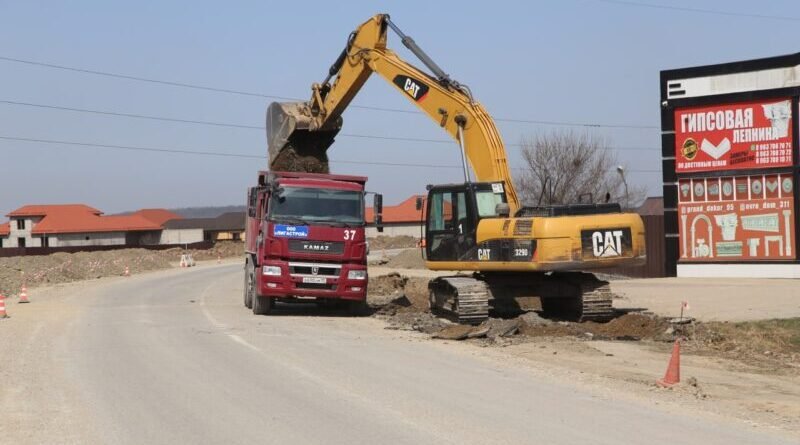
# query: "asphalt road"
[[173, 357]]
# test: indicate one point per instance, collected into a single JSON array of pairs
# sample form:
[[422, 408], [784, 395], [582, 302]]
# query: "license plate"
[[315, 280]]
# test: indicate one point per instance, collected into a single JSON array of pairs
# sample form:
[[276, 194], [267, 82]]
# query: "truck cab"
[[305, 240]]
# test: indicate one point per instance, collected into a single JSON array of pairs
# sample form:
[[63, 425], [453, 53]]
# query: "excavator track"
[[596, 300], [572, 295], [463, 298], [581, 297]]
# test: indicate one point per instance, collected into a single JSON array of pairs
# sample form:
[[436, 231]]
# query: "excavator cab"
[[453, 214]]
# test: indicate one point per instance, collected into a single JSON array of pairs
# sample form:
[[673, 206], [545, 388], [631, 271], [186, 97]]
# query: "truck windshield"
[[313, 205]]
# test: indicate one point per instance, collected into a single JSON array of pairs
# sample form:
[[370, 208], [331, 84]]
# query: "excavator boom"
[[299, 133]]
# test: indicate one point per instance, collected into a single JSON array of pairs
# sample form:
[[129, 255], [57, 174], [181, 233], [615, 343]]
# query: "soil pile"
[[770, 345], [407, 259], [403, 302], [290, 159], [386, 288], [221, 249], [626, 327], [67, 267], [391, 242], [383, 288]]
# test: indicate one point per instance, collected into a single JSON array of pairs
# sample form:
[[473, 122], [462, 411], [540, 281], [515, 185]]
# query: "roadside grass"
[[771, 343]]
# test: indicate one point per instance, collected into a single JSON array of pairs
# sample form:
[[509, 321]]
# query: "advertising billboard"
[[748, 217], [736, 136]]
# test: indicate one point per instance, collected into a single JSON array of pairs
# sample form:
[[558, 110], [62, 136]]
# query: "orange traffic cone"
[[127, 272], [23, 295], [673, 374], [3, 307]]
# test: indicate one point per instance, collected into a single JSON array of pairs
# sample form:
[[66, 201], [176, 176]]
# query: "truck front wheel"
[[262, 305], [357, 308], [249, 284]]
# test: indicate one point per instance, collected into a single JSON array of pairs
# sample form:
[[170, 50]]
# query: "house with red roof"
[[74, 225], [400, 219]]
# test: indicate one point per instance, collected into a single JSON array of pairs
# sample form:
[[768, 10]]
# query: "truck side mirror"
[[377, 209], [420, 202]]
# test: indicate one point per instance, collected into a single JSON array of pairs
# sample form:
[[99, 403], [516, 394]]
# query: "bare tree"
[[564, 167]]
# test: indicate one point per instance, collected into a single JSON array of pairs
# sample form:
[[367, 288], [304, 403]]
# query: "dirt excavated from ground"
[[770, 345], [290, 159], [392, 242], [407, 259], [403, 302]]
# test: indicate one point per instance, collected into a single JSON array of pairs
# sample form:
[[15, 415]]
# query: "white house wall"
[[181, 236], [94, 239], [15, 234]]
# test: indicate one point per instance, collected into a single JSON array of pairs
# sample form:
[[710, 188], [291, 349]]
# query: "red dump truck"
[[305, 241]]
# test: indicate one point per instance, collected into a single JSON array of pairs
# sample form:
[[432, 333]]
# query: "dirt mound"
[[383, 288], [631, 325], [392, 242], [403, 303], [291, 159], [386, 285], [407, 259], [454, 332], [67, 267], [626, 327], [223, 249]]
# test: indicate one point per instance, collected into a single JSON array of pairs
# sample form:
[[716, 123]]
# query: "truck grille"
[[315, 269], [318, 247], [316, 286]]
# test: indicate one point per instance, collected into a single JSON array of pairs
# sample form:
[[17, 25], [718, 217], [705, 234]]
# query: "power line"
[[144, 79], [277, 97], [235, 155], [131, 115], [250, 127], [701, 10], [203, 153], [578, 124]]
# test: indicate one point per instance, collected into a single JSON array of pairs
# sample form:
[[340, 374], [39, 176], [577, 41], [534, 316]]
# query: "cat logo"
[[484, 254], [607, 243], [413, 87]]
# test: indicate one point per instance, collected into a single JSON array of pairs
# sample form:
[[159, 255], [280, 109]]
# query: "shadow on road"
[[314, 309]]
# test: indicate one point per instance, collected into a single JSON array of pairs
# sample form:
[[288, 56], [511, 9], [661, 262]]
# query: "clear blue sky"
[[565, 60]]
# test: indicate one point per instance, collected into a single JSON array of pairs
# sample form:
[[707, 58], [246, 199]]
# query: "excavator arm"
[[299, 133]]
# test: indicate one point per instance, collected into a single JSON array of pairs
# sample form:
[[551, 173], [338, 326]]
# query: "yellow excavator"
[[514, 253]]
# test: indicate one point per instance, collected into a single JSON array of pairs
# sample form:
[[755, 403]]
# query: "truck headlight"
[[357, 275], [273, 271]]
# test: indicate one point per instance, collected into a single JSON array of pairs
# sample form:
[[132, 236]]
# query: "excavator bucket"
[[292, 144]]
